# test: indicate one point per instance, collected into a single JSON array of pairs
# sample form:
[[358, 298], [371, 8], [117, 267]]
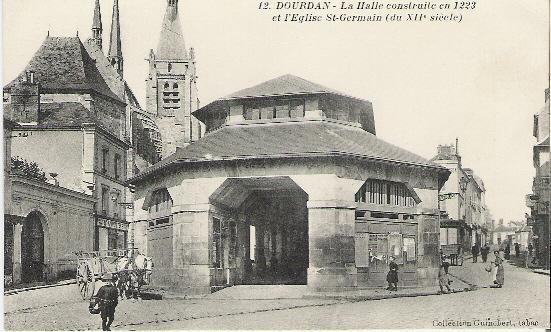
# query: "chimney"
[[456, 145]]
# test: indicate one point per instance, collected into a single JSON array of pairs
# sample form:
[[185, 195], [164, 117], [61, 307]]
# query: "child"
[[443, 278], [392, 276]]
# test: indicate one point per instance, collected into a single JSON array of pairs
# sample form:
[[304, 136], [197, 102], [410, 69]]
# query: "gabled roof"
[[281, 86], [63, 63], [171, 41], [290, 140]]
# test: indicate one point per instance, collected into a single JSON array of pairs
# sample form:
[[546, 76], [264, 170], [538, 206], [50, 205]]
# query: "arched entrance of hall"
[[32, 248], [259, 232]]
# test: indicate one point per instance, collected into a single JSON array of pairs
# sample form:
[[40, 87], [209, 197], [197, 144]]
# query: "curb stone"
[[19, 290]]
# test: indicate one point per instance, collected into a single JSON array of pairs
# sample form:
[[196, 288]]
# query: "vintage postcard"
[[275, 165]]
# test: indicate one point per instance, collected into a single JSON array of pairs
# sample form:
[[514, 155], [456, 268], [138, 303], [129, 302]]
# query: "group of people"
[[495, 268], [484, 251]]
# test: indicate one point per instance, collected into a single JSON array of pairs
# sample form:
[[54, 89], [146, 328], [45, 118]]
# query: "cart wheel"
[[86, 280]]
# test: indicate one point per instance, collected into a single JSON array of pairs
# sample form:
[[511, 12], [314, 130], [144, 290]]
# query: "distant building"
[[171, 86], [462, 202], [539, 200], [290, 185]]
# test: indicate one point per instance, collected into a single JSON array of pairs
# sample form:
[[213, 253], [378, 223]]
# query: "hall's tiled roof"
[[63, 63], [287, 140], [281, 86]]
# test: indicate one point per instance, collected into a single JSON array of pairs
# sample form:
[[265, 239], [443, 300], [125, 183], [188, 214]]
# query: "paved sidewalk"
[[28, 287]]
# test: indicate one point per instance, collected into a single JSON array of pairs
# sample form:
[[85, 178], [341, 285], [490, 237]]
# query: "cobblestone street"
[[522, 298]]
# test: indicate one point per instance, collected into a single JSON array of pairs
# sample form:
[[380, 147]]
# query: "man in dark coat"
[[508, 251], [517, 250], [484, 251], [475, 250], [392, 276], [108, 298]]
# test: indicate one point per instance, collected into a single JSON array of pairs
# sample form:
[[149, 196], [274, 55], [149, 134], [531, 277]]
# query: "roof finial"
[[115, 44], [97, 28]]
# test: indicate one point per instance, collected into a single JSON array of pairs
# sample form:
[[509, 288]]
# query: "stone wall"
[[67, 221]]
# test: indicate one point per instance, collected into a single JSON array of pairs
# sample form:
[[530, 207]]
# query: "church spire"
[[115, 45], [97, 28], [171, 43]]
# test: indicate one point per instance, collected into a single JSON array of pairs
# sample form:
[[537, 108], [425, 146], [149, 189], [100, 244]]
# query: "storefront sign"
[[107, 223]]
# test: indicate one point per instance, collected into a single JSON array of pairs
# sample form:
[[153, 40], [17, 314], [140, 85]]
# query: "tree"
[[27, 169]]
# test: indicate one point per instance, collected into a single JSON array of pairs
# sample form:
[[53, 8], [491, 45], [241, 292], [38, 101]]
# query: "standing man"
[[517, 249], [475, 250], [108, 298], [484, 251], [392, 275]]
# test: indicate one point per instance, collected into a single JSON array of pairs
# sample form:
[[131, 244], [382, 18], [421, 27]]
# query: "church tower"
[[97, 29], [171, 87], [115, 45]]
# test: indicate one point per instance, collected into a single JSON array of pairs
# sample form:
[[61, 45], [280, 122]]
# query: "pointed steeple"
[[97, 29], [171, 43], [115, 45]]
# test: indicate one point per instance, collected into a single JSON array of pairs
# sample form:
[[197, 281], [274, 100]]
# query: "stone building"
[[462, 202], [79, 119], [44, 224], [171, 86], [289, 185], [539, 200]]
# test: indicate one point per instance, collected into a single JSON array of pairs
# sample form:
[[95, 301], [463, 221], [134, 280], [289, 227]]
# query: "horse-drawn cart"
[[131, 268], [454, 252]]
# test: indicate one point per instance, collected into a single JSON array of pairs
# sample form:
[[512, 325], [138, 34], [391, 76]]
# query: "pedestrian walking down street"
[[484, 251], [517, 250], [392, 276], [107, 298], [475, 250], [443, 278], [499, 271], [508, 251]]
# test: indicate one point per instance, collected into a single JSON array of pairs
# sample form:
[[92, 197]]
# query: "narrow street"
[[524, 298]]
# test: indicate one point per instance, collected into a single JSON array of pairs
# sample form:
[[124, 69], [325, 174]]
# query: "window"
[[117, 165], [385, 193], [175, 86], [104, 200], [169, 67], [167, 85], [409, 249], [160, 201], [116, 206], [104, 160]]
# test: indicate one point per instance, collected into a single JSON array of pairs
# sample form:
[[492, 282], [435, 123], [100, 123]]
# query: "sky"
[[480, 80]]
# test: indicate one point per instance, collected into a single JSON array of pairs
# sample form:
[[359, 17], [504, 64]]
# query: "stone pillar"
[[428, 257], [17, 253], [331, 246], [331, 231], [191, 265]]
